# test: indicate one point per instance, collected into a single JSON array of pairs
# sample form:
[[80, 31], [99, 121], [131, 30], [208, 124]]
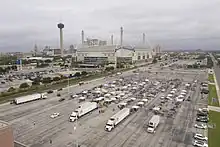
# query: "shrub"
[[84, 73], [77, 74], [56, 78], [24, 85], [11, 89], [47, 80]]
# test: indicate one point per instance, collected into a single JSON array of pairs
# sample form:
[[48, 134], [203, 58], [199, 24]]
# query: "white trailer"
[[82, 110], [29, 98], [153, 123], [117, 118]]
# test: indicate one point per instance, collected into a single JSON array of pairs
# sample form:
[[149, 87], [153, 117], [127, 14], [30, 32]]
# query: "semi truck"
[[153, 123], [117, 118], [83, 109], [29, 98]]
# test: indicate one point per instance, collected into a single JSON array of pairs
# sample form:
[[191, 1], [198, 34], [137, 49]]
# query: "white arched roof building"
[[108, 54]]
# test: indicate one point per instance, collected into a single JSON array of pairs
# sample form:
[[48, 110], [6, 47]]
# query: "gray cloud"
[[175, 24]]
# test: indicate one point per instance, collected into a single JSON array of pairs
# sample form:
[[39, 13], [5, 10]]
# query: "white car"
[[54, 115], [163, 90], [200, 137], [202, 126], [200, 143], [162, 97]]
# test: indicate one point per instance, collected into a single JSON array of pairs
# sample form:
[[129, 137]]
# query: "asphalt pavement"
[[33, 126]]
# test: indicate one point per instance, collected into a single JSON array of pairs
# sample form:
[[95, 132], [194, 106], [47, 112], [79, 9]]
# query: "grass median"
[[211, 78], [212, 97], [213, 133], [7, 96]]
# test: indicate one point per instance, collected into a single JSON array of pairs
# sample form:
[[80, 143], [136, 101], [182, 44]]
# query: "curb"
[[216, 86]]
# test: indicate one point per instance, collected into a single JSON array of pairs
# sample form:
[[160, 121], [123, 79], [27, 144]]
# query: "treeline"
[[4, 70], [209, 62]]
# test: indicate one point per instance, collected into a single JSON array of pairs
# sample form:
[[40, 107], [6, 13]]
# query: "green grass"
[[211, 78], [212, 94], [213, 134]]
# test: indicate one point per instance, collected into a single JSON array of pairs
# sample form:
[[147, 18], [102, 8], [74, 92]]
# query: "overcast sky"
[[174, 24]]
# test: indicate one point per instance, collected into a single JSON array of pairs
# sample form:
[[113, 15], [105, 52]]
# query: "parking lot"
[[33, 125]]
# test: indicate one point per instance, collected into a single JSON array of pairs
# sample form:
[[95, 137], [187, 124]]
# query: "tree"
[[24, 85], [43, 65], [56, 78], [189, 66], [11, 89], [77, 74], [109, 68], [47, 80], [218, 63], [2, 70], [195, 66], [14, 67], [47, 61], [35, 83], [154, 60], [209, 62], [84, 73]]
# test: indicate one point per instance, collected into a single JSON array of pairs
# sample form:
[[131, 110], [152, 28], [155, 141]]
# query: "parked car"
[[200, 137], [81, 83], [202, 126], [205, 120], [54, 115], [50, 91], [199, 143], [62, 99], [58, 94], [60, 89]]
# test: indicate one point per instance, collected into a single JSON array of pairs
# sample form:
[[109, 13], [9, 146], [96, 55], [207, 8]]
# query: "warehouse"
[[101, 55]]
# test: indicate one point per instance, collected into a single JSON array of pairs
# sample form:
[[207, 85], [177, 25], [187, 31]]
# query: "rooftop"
[[3, 124], [97, 48], [111, 48]]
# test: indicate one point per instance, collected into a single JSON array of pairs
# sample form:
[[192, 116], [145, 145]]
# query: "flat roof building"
[[6, 135]]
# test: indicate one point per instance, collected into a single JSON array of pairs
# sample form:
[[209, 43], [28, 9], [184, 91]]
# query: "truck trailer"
[[29, 98], [83, 109], [153, 123], [117, 118]]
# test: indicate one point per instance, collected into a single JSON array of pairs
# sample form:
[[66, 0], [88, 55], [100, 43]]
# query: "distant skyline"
[[174, 24]]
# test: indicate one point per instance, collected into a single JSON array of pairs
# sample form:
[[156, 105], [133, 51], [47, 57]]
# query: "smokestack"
[[121, 43], [112, 42], [61, 26], [144, 38], [82, 37]]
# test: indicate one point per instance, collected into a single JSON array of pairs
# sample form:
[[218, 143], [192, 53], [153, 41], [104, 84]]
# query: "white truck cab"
[[110, 124], [150, 130], [73, 116]]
